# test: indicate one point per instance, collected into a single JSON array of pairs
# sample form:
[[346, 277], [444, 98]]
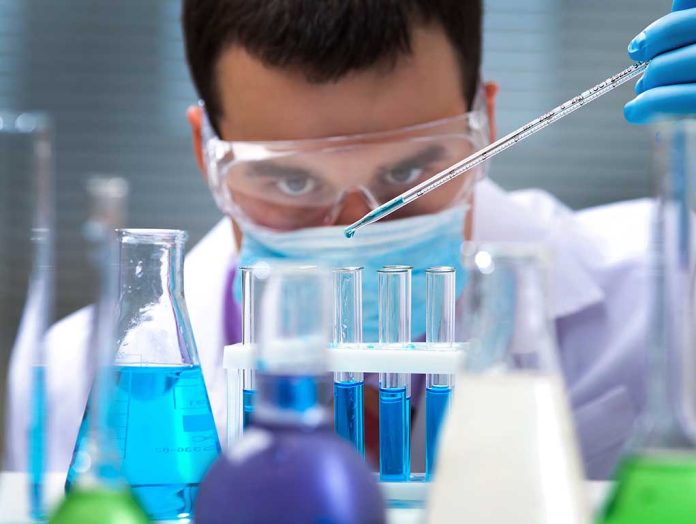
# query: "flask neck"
[[153, 322], [289, 400], [152, 270]]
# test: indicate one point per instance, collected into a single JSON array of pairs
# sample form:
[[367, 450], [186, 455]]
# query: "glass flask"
[[26, 293], [656, 480], [162, 416], [290, 466], [101, 495], [508, 451]]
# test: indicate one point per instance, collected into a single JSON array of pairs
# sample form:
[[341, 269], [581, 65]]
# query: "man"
[[397, 86]]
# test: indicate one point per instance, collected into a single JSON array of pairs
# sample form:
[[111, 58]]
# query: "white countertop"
[[14, 499]]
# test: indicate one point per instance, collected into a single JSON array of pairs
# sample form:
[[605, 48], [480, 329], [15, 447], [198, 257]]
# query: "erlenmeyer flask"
[[162, 414], [290, 466], [507, 449], [101, 495], [656, 481]]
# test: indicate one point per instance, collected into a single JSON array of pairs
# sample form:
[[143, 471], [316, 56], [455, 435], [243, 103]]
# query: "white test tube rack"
[[412, 358]]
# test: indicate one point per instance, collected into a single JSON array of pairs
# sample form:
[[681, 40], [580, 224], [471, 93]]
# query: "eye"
[[296, 185], [403, 176]]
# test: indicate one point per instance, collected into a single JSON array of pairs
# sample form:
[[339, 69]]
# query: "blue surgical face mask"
[[421, 242]]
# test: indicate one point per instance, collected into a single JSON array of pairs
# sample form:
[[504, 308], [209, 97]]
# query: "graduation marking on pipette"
[[498, 146]]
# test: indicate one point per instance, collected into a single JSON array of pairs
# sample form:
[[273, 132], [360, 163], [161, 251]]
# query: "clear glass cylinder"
[[248, 376], [161, 413], [348, 313], [394, 316], [440, 315], [26, 296], [349, 416], [661, 457], [292, 337], [101, 493], [509, 436]]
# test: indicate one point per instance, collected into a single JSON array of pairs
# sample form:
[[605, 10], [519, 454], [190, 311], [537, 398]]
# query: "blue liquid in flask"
[[166, 433], [436, 401], [394, 434], [348, 413], [37, 444]]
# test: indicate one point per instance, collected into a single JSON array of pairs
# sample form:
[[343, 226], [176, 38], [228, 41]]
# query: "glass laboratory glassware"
[[26, 293], [100, 494], [508, 451], [162, 414], [394, 305], [439, 336], [248, 375], [656, 480], [349, 417], [290, 466]]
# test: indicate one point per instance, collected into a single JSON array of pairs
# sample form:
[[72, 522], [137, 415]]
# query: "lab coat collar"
[[536, 216]]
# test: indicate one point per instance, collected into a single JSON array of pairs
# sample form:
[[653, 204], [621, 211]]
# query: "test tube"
[[348, 386], [439, 335], [394, 297], [248, 375]]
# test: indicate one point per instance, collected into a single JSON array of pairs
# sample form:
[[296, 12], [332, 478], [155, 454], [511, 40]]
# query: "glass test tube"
[[248, 312], [394, 297], [439, 334], [349, 420]]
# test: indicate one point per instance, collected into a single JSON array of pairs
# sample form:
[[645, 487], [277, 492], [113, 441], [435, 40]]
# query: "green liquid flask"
[[100, 494], [99, 506], [656, 481]]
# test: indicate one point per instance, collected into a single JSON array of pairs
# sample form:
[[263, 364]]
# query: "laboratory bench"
[[14, 500]]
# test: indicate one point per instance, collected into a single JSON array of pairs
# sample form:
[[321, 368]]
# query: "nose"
[[353, 208]]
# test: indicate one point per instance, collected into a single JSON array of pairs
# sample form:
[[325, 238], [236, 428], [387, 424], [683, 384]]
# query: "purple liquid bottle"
[[290, 466]]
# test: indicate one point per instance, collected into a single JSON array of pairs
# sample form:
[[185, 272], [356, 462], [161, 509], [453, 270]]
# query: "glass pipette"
[[498, 146]]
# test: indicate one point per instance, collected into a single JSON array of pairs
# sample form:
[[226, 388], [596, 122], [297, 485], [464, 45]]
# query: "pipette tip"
[[375, 215]]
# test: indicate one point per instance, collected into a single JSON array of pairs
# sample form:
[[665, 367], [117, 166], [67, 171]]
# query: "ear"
[[194, 115], [491, 89]]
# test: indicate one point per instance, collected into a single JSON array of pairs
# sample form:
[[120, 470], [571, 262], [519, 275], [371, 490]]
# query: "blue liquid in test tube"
[[394, 289], [349, 421], [439, 335], [248, 375], [248, 406]]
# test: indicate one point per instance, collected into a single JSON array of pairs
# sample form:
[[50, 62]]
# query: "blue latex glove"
[[668, 86]]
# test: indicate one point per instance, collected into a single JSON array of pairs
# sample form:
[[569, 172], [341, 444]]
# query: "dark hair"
[[325, 39]]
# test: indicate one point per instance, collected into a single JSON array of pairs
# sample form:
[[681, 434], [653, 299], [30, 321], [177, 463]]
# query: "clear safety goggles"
[[292, 184]]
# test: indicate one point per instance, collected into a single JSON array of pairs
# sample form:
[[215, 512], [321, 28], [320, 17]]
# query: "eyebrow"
[[419, 159], [267, 168]]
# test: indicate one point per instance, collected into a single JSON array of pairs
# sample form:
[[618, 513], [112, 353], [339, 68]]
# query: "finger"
[[672, 67], [669, 32], [662, 102], [680, 5]]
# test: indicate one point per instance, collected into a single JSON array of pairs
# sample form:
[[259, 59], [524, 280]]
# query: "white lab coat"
[[598, 300]]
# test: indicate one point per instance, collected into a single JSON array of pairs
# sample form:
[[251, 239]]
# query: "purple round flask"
[[289, 466]]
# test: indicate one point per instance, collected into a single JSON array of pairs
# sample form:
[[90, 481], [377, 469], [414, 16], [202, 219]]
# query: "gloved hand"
[[668, 86]]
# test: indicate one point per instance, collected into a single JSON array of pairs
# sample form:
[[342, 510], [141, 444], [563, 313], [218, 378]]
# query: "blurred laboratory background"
[[113, 77]]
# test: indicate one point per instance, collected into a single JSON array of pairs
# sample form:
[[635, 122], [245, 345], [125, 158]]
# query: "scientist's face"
[[263, 103]]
